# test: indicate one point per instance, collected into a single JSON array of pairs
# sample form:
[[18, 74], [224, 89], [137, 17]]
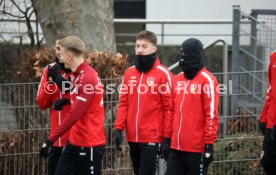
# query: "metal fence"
[[24, 127], [251, 47]]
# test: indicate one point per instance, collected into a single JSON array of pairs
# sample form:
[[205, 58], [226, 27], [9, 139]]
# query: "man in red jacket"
[[145, 106], [195, 121], [84, 151], [50, 96], [268, 119]]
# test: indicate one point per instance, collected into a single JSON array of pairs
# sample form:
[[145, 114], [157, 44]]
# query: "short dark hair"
[[147, 35]]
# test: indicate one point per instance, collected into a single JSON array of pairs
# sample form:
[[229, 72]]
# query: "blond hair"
[[74, 44]]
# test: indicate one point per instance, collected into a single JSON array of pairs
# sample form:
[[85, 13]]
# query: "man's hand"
[[60, 103], [45, 148], [118, 138], [262, 127], [53, 71], [55, 76], [208, 154], [165, 148]]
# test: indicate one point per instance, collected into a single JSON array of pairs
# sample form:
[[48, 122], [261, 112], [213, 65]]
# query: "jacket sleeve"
[[167, 103], [264, 113], [78, 109], [272, 112], [45, 92], [210, 104], [120, 122]]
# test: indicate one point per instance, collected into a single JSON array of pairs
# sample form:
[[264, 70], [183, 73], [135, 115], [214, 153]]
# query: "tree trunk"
[[91, 20]]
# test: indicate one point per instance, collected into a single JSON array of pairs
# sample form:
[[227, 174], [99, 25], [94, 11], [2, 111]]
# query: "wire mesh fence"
[[24, 127], [266, 31], [257, 39]]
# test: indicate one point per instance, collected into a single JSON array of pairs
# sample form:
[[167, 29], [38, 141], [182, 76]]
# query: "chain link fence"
[[24, 127]]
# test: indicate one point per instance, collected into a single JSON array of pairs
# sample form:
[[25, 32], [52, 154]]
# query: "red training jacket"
[[264, 113], [47, 94], [86, 116], [269, 111], [145, 113], [195, 112]]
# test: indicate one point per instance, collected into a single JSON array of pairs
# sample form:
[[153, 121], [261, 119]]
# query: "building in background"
[[198, 18]]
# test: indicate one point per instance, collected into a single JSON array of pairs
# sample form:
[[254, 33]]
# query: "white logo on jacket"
[[193, 88]]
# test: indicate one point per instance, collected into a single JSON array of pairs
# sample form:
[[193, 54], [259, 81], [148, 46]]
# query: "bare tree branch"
[[7, 13], [30, 31], [27, 11], [14, 3], [39, 43], [28, 8], [31, 14]]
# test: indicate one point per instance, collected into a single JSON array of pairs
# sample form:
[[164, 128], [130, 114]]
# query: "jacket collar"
[[156, 63], [81, 67]]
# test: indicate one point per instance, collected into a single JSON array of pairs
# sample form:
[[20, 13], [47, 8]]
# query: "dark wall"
[[130, 9]]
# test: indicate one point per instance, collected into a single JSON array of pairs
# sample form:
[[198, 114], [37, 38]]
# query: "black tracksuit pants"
[[54, 155], [77, 160], [144, 157], [268, 160], [183, 163]]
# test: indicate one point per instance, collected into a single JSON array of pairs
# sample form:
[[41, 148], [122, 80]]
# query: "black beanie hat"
[[191, 61], [192, 47]]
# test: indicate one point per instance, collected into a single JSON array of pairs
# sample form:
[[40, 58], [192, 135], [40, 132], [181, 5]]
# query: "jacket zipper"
[[59, 140], [138, 107], [59, 118], [181, 105]]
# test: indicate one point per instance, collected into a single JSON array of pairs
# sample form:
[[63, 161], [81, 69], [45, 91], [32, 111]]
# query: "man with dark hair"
[[195, 123], [53, 97], [84, 151], [268, 121], [145, 106]]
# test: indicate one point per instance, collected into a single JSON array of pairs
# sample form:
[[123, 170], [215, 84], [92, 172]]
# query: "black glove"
[[60, 103], [62, 66], [165, 148], [262, 127], [208, 154], [45, 148], [53, 71], [273, 133], [118, 138], [53, 75]]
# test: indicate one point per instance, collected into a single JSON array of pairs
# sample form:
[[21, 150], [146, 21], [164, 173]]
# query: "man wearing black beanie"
[[195, 123], [191, 57]]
